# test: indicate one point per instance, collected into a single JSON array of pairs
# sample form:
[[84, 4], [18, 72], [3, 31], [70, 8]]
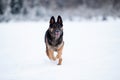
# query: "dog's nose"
[[56, 30]]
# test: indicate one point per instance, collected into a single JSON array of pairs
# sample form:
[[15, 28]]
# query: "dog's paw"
[[59, 64], [60, 61]]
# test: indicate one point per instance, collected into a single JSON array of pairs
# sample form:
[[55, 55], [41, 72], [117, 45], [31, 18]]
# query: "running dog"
[[54, 39]]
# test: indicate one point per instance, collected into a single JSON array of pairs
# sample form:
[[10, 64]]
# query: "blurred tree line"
[[25, 6], [17, 5]]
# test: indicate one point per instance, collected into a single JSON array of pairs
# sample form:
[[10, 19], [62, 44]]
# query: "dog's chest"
[[55, 48]]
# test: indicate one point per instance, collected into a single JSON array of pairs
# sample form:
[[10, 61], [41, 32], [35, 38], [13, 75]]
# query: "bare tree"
[[16, 6], [1, 7], [116, 4]]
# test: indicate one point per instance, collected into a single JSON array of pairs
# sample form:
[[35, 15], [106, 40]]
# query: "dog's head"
[[56, 28]]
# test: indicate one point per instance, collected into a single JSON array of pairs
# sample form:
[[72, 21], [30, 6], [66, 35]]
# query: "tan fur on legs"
[[59, 55], [50, 54], [60, 61]]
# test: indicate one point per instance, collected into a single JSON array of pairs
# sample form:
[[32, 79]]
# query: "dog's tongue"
[[57, 34]]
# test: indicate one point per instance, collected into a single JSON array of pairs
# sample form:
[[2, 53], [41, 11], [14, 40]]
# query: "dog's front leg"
[[50, 54], [59, 55]]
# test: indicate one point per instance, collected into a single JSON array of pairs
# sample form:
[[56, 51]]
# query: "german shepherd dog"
[[54, 39]]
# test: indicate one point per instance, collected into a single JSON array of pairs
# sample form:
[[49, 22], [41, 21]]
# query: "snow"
[[91, 51]]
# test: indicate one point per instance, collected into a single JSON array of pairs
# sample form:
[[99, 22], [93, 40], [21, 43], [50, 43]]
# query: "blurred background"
[[69, 9]]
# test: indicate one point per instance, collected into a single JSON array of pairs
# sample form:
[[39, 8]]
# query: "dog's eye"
[[51, 25], [60, 26]]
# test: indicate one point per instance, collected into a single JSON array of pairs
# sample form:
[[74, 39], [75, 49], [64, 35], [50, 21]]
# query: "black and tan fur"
[[54, 39]]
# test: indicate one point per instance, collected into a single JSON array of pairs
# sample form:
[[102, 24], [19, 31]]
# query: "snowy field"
[[91, 51]]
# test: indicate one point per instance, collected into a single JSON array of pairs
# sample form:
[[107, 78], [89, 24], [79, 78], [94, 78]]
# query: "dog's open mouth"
[[57, 34]]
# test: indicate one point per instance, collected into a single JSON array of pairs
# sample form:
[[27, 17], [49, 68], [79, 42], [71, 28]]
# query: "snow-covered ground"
[[91, 51]]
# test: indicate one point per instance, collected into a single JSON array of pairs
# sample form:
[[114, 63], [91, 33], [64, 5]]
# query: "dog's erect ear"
[[59, 20], [52, 20]]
